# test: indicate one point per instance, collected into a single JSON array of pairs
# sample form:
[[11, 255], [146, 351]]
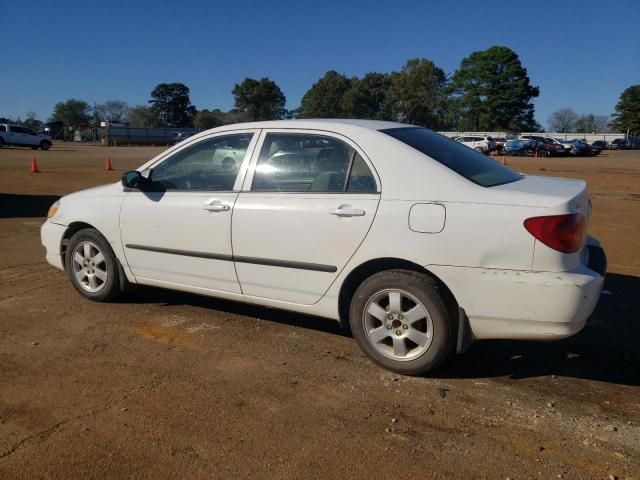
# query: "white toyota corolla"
[[417, 242]]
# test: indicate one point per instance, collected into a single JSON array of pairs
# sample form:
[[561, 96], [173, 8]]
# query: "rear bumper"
[[509, 304], [51, 238]]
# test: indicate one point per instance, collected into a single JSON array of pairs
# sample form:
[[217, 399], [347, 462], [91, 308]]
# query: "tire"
[[478, 149], [44, 145], [1, 142], [542, 153], [98, 278], [387, 335]]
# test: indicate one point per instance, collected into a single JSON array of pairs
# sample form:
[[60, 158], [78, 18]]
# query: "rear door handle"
[[214, 205], [347, 211]]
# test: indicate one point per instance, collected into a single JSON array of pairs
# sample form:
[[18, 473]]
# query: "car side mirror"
[[134, 179]]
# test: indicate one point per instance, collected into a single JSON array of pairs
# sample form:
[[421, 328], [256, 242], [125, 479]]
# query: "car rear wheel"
[[400, 321], [44, 145], [92, 266]]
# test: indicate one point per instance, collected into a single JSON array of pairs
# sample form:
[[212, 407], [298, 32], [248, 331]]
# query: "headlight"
[[53, 209]]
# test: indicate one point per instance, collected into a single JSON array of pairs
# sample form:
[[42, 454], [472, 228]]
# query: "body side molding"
[[317, 267]]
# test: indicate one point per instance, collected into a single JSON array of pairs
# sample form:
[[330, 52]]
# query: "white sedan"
[[479, 144], [417, 242]]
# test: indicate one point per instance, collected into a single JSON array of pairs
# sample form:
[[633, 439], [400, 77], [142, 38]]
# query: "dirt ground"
[[172, 385]]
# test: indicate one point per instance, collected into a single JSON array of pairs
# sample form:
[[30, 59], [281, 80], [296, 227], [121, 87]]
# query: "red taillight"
[[564, 233]]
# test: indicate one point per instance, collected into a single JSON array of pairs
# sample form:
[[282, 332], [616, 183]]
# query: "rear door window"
[[360, 177], [297, 162]]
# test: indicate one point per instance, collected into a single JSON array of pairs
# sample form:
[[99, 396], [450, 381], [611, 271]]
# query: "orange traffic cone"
[[107, 164], [34, 165]]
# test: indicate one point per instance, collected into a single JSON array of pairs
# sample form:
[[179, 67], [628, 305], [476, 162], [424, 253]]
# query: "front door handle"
[[214, 205], [347, 211]]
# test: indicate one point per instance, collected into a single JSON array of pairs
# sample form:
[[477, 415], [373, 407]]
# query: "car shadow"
[[18, 205], [164, 297], [606, 350]]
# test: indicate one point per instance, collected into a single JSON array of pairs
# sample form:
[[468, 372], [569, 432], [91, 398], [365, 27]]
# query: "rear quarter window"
[[472, 165]]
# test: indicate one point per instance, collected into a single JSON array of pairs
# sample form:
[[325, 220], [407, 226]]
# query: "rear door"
[[179, 234], [307, 205]]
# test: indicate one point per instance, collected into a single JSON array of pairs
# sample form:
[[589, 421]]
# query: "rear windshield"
[[472, 165]]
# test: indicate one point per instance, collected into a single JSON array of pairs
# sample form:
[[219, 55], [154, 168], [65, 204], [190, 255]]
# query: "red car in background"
[[500, 143]]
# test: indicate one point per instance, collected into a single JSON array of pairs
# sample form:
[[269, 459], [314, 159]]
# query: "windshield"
[[466, 162]]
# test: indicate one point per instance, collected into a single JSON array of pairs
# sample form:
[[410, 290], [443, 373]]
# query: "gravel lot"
[[166, 384]]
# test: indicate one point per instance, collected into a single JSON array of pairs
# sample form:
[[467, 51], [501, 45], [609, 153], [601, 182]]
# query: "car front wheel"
[[399, 319], [92, 266], [45, 145]]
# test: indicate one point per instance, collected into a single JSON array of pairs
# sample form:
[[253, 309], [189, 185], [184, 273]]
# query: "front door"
[[310, 205], [180, 232]]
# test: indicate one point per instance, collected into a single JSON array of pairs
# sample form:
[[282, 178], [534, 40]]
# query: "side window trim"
[[248, 180], [349, 168]]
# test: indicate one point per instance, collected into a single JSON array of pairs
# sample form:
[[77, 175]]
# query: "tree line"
[[626, 117], [490, 91]]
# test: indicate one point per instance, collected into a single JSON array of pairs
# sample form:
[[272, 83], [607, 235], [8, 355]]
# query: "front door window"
[[210, 165]]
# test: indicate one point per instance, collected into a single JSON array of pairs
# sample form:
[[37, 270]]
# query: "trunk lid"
[[559, 195]]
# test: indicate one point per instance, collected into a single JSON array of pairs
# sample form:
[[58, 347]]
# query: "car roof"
[[319, 123]]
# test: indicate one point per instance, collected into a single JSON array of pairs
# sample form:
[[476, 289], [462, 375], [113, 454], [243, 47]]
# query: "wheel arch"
[[373, 266], [68, 233]]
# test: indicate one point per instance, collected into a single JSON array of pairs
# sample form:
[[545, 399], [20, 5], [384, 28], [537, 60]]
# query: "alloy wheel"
[[397, 324], [89, 267]]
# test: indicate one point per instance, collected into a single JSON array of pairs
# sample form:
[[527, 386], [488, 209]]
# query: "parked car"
[[500, 143], [583, 149], [618, 144], [21, 136], [520, 148], [178, 137], [477, 143], [595, 149], [601, 144], [524, 147], [545, 146], [566, 144], [386, 227], [560, 148]]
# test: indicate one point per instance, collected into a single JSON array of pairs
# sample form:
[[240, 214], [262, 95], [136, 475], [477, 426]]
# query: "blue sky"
[[581, 54]]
